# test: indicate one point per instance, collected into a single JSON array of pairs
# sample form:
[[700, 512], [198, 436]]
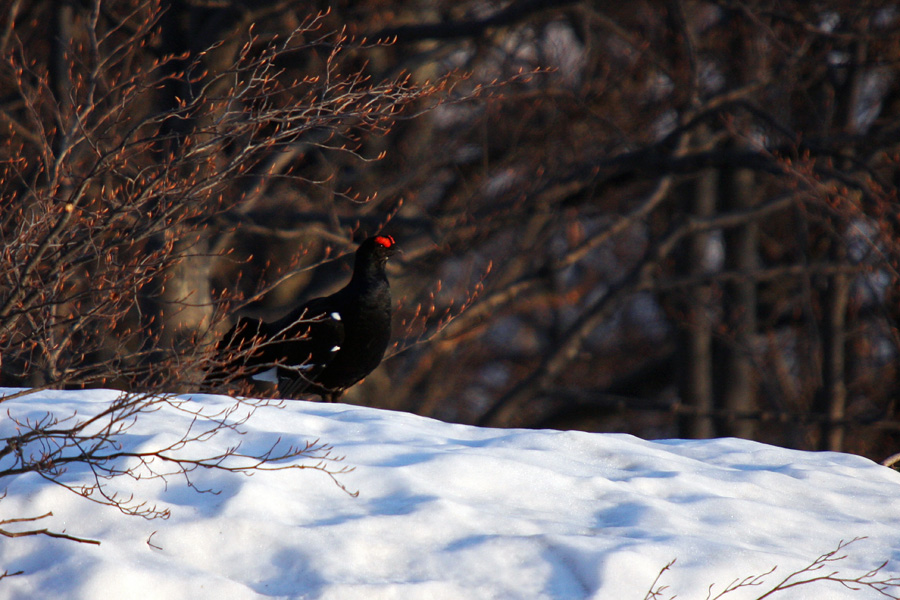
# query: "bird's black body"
[[324, 346]]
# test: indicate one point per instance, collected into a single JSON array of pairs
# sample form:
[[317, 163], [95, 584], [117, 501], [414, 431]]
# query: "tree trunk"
[[833, 394], [739, 384], [696, 383]]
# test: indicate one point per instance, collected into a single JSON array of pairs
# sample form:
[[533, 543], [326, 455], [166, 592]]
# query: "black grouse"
[[326, 345]]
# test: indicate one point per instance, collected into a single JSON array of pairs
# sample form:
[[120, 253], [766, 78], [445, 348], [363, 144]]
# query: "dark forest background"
[[672, 219]]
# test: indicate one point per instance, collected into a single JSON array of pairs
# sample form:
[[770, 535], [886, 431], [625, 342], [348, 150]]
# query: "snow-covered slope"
[[455, 512]]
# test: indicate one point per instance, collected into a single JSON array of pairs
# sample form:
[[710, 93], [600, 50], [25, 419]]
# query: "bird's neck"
[[368, 274], [369, 285]]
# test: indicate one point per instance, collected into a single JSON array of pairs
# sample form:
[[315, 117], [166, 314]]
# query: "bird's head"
[[376, 250], [380, 246]]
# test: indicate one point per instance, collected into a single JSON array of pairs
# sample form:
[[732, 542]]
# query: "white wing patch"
[[270, 375], [336, 316], [335, 348]]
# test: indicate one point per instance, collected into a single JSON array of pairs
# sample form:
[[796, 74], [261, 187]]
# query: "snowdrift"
[[449, 512]]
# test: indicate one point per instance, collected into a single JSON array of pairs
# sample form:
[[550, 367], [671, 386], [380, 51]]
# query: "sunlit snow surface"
[[453, 512]]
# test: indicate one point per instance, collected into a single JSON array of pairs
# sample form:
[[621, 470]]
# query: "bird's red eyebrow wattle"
[[385, 240]]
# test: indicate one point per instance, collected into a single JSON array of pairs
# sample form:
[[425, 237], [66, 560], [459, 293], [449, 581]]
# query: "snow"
[[448, 511]]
